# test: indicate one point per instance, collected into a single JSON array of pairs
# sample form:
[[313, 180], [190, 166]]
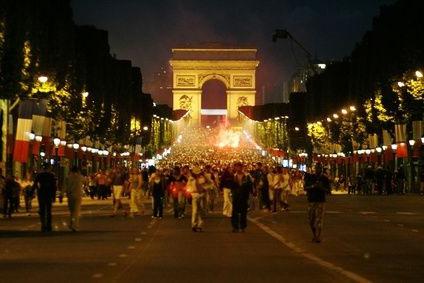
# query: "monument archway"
[[193, 67]]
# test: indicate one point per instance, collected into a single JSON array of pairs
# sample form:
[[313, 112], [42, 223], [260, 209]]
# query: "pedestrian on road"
[[136, 193], [227, 182], [316, 186], [27, 186], [118, 184], [11, 196], [178, 183], [195, 184], [241, 190], [157, 185], [74, 186], [46, 185]]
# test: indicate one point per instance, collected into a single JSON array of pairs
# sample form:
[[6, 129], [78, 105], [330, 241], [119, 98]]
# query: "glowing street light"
[[145, 128], [344, 111], [400, 84], [411, 142], [62, 143], [335, 116], [38, 138], [75, 146], [296, 129], [85, 94], [418, 74], [42, 79], [352, 108], [328, 119], [31, 136], [394, 146], [56, 142]]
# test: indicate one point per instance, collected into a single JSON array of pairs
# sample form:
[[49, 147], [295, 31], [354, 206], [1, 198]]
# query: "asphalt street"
[[371, 238]]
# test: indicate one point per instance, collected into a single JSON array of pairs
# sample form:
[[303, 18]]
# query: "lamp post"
[[75, 146]]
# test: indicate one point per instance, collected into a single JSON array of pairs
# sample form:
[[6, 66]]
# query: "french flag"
[[23, 129]]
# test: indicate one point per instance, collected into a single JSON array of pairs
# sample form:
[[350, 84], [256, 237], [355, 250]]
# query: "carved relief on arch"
[[225, 78]]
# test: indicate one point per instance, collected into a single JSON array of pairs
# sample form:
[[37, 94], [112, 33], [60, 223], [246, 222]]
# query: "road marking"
[[111, 264], [406, 213], [333, 212], [137, 239], [143, 233], [415, 230], [400, 225], [386, 220], [367, 212], [122, 255], [349, 274], [97, 275], [131, 247]]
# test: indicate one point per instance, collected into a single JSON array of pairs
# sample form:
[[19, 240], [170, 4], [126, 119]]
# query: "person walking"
[[73, 188], [46, 185], [285, 189], [227, 183], [27, 186], [316, 186], [157, 185], [241, 190], [11, 196], [101, 182], [260, 181], [136, 193], [195, 187], [118, 184], [178, 183]]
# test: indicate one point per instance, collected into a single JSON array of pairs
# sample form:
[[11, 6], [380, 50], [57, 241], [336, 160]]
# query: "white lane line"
[[326, 264], [131, 247], [112, 264], [400, 225], [415, 230], [367, 212], [97, 275], [137, 239], [333, 212], [122, 255], [386, 220], [406, 213]]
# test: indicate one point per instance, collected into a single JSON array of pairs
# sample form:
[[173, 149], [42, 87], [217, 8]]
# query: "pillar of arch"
[[235, 67]]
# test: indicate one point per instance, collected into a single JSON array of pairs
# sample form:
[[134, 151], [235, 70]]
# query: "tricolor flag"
[[24, 126]]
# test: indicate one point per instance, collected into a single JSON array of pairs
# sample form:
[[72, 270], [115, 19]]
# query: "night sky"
[[144, 31]]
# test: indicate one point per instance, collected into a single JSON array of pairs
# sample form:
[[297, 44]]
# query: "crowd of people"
[[197, 174]]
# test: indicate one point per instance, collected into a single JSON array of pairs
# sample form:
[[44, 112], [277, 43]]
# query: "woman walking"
[[74, 186], [136, 202]]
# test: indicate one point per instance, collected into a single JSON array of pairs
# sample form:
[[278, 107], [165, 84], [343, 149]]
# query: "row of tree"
[[379, 78], [96, 94]]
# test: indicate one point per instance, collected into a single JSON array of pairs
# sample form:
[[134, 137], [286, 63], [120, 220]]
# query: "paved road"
[[366, 238]]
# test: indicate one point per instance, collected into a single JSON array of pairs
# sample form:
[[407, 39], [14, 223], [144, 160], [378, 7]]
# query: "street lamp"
[[344, 111], [394, 146], [296, 129], [411, 142], [145, 128], [42, 79], [400, 84], [328, 119], [75, 146], [418, 74], [85, 94], [352, 108], [335, 116]]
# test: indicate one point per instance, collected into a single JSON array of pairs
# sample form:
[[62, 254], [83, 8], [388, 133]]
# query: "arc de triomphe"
[[192, 67]]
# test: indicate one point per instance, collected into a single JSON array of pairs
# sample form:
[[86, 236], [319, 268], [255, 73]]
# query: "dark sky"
[[144, 31]]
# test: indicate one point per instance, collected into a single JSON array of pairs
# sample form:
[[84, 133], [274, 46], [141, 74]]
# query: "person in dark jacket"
[[11, 196], [157, 184], [46, 185], [316, 186], [241, 190]]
